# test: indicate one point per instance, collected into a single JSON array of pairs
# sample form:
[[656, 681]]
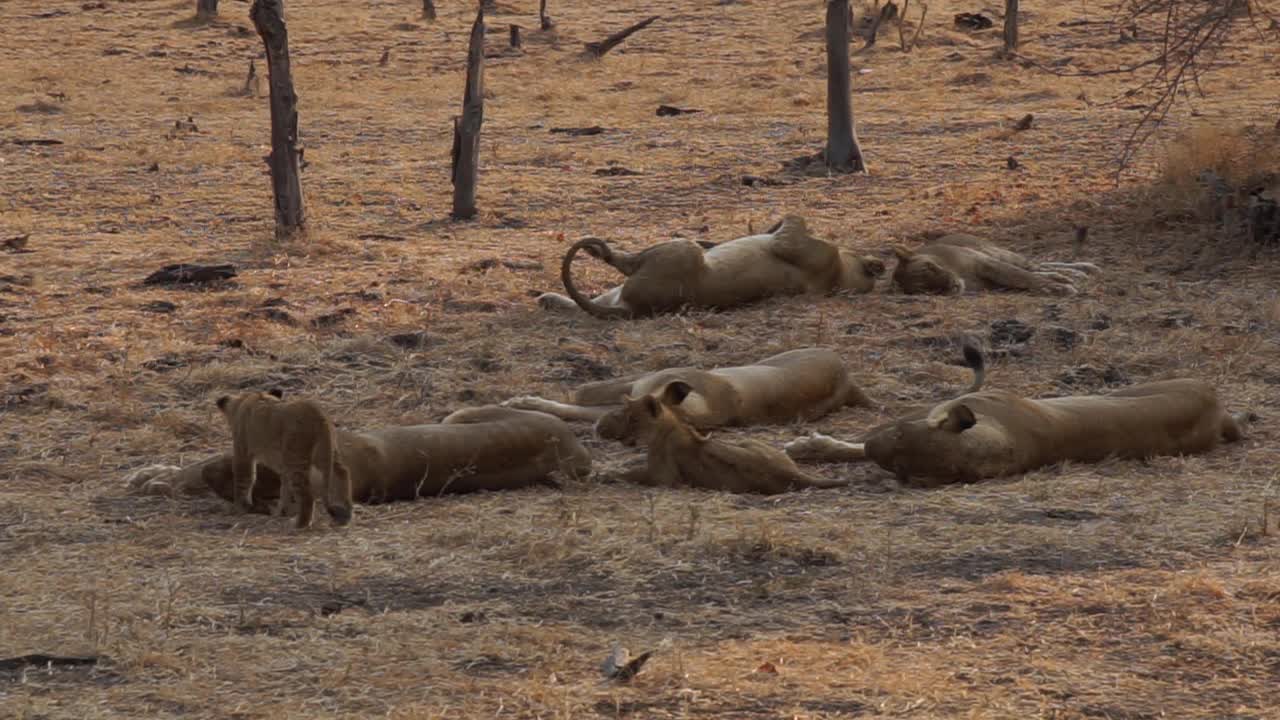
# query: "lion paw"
[[527, 402], [1064, 289], [152, 479], [815, 445]]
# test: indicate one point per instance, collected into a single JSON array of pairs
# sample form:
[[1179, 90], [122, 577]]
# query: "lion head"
[[943, 444], [920, 274], [633, 423], [859, 272]]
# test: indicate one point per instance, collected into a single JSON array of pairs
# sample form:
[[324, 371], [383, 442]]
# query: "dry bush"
[[1209, 170]]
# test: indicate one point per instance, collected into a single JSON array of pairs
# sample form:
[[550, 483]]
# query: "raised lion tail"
[[600, 249]]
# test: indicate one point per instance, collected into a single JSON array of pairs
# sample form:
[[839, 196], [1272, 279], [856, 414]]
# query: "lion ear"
[[651, 406], [903, 252], [223, 402], [960, 418], [675, 392], [276, 392], [873, 267]]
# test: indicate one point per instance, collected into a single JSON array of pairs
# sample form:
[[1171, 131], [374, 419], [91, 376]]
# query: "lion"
[[482, 448], [680, 456], [955, 263], [803, 384], [785, 260], [995, 433], [297, 440]]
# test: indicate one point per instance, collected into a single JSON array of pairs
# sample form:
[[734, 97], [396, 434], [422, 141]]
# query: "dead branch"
[[598, 49]]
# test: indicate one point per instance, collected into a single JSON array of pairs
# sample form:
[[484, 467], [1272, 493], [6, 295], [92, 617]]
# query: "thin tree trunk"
[[206, 9], [843, 152], [466, 129], [428, 9], [515, 36], [599, 48], [286, 185], [546, 22], [1010, 27]]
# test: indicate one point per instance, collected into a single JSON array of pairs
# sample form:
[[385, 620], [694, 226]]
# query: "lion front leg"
[[818, 448], [244, 473]]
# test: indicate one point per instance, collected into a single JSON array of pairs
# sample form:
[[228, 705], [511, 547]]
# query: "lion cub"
[[679, 455], [296, 440]]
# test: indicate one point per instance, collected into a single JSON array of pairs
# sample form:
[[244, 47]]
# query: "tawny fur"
[[670, 276], [484, 448], [803, 385], [995, 433], [294, 439], [680, 456], [955, 263]]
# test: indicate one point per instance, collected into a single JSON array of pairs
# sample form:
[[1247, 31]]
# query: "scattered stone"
[[1101, 321], [469, 306], [22, 395], [1089, 377], [17, 243], [1063, 338], [616, 171], [578, 131], [190, 274], [473, 616], [1010, 332], [328, 320], [162, 307], [164, 363], [487, 264], [973, 21], [410, 340], [672, 110]]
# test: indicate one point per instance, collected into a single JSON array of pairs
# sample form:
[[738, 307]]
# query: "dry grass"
[[1121, 590]]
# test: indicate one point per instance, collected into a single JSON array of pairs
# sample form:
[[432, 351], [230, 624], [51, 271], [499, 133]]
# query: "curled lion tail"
[[975, 361], [600, 249]]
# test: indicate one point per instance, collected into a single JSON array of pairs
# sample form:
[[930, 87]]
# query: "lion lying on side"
[[955, 263], [786, 260], [680, 456], [803, 384], [484, 448], [995, 433]]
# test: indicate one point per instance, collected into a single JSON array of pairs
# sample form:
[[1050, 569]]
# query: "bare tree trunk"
[[1010, 27], [286, 185], [206, 9], [428, 9], [544, 18], [515, 36], [842, 151], [466, 129]]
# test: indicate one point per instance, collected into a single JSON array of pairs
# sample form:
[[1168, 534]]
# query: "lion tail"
[[600, 249], [975, 361]]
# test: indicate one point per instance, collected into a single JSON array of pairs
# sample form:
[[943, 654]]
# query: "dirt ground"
[[1118, 590]]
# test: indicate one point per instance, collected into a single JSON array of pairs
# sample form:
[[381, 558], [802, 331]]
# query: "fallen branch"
[[598, 49]]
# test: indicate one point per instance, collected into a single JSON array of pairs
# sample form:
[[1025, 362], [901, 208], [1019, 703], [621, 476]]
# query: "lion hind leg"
[[564, 411], [299, 480], [1081, 267], [1004, 275], [824, 448]]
